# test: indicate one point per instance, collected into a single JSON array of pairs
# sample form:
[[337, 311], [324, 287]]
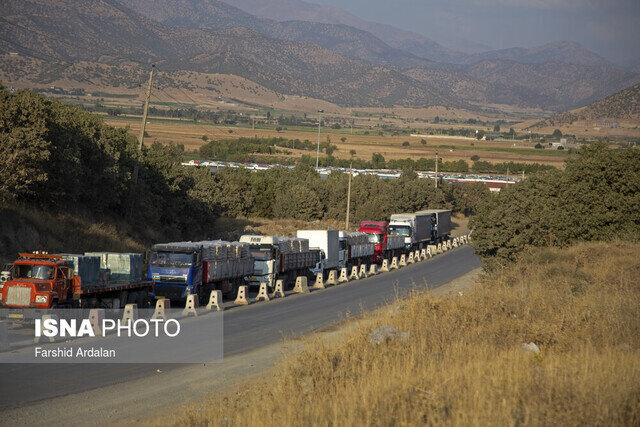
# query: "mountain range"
[[624, 105], [316, 55]]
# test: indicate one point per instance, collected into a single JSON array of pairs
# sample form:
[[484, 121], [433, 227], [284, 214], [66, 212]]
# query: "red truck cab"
[[377, 231], [37, 281]]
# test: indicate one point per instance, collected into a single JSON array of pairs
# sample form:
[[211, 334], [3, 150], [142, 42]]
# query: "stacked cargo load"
[[395, 242], [86, 267], [123, 267]]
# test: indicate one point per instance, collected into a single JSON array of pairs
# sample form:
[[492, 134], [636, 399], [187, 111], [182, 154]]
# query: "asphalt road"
[[245, 329]]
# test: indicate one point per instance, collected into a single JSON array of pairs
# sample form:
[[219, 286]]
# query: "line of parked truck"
[[178, 269]]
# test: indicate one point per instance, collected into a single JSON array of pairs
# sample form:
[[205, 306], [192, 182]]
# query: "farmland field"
[[391, 147]]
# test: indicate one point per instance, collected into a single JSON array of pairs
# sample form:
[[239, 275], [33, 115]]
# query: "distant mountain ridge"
[[105, 31], [623, 105]]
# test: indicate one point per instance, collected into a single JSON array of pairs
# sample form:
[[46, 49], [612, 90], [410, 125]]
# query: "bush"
[[596, 197], [406, 144]]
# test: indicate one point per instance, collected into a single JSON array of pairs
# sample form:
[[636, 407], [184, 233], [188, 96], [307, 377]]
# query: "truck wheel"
[[229, 289]]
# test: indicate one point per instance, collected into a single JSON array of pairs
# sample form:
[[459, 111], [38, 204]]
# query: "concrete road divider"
[[385, 265], [262, 292], [416, 256], [455, 242], [278, 292], [411, 259], [363, 271], [162, 307], [319, 284], [130, 313], [4, 337], [403, 261], [54, 317], [243, 293], [423, 254], [373, 269], [449, 244], [354, 273], [394, 263], [215, 299], [96, 317], [191, 306], [333, 278], [432, 250], [344, 277], [439, 248], [302, 285]]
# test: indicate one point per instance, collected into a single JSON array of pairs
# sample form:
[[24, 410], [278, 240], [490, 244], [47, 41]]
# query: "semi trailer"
[[386, 245], [46, 281], [179, 269], [356, 249], [441, 219], [416, 229], [280, 258]]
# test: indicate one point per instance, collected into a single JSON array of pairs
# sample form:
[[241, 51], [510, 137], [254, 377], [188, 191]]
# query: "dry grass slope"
[[463, 363]]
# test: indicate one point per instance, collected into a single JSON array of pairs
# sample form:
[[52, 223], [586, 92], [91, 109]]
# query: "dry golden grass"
[[463, 363]]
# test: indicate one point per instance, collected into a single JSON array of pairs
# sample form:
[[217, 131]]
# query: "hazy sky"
[[608, 27]]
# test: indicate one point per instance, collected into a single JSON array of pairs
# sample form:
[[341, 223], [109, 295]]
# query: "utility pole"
[[146, 110], [144, 121], [348, 198], [436, 169], [319, 125]]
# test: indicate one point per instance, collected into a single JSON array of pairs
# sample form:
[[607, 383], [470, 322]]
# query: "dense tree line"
[[596, 197], [53, 156], [56, 157]]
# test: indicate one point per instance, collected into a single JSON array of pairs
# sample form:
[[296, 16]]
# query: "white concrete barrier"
[[319, 284], [354, 273], [333, 278], [215, 300], [96, 318], [423, 254], [302, 285], [411, 259], [262, 292], [416, 256], [162, 306], [439, 248], [403, 261], [55, 317], [385, 265], [363, 271], [130, 313], [278, 292], [373, 270], [344, 276], [242, 298], [394, 263], [191, 306]]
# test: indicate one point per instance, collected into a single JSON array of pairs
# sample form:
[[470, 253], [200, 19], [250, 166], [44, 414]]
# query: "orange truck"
[[43, 281]]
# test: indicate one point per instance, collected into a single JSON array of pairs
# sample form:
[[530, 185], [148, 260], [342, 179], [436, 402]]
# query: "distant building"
[[606, 123]]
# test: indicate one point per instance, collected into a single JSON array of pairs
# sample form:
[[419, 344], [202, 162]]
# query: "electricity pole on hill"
[[319, 125], [348, 198], [145, 112], [436, 169]]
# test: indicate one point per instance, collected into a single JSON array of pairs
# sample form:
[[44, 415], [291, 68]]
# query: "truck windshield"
[[171, 259], [261, 254], [37, 272], [375, 238], [400, 230]]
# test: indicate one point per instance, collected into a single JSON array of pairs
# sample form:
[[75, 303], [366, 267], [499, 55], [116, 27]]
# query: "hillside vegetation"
[[463, 363], [595, 197]]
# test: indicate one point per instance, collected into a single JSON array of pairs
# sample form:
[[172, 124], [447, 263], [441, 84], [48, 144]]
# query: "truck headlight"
[[41, 299]]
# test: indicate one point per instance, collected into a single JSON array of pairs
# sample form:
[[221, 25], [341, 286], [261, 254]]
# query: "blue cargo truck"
[[180, 269]]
